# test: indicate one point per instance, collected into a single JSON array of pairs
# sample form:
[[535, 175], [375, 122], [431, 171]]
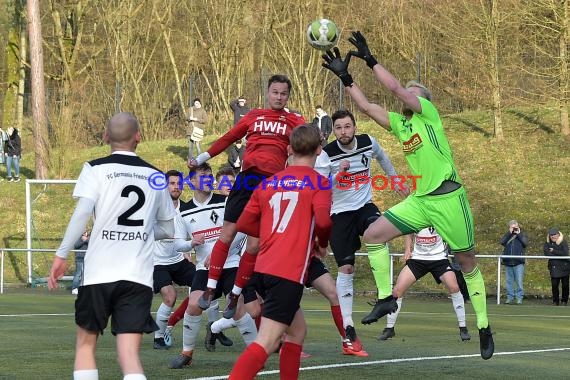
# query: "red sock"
[[289, 361], [250, 362], [337, 318], [245, 269], [218, 259], [178, 313]]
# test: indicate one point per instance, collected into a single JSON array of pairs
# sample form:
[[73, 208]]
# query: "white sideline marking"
[[387, 361]]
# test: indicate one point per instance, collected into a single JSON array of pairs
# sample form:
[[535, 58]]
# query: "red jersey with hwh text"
[[286, 213], [267, 133]]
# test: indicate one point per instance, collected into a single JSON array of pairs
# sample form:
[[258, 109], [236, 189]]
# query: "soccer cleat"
[[206, 299], [387, 333], [353, 338], [168, 338], [210, 339], [486, 343], [181, 361], [224, 340], [464, 334], [348, 349], [231, 306], [382, 307], [159, 344]]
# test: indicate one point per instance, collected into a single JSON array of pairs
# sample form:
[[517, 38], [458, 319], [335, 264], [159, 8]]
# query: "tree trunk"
[[564, 79], [41, 141], [22, 81], [495, 83]]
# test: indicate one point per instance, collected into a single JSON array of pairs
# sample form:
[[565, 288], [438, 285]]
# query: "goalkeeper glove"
[[334, 63], [363, 52]]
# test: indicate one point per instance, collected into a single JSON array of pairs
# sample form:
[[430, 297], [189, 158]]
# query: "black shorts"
[[225, 283], [248, 292], [437, 268], [181, 273], [246, 182], [127, 303], [347, 228], [281, 297], [316, 269]]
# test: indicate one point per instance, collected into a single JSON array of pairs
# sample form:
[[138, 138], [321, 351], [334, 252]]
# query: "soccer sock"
[[247, 329], [134, 376], [162, 316], [459, 307], [379, 258], [478, 296], [190, 332], [249, 363], [86, 374], [337, 318], [213, 311], [178, 313], [289, 361], [222, 324], [393, 317], [244, 272], [217, 261], [345, 291]]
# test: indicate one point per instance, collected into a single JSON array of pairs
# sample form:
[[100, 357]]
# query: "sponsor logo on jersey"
[[270, 127], [426, 240], [210, 233], [414, 143]]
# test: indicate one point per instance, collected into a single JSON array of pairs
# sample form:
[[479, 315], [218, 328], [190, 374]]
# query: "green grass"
[[38, 338], [524, 178]]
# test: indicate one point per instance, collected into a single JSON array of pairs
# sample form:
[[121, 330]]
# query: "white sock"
[[247, 329], [459, 307], [345, 290], [392, 317], [86, 374], [134, 376], [162, 315], [213, 311], [190, 331], [222, 324]]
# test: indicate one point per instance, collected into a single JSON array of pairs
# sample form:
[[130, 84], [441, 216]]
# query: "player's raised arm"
[[383, 76]]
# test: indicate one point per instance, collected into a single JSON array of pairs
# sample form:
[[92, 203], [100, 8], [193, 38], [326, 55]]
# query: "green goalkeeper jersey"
[[425, 147]]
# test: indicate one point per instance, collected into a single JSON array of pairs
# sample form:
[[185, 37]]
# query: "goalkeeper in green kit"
[[439, 199]]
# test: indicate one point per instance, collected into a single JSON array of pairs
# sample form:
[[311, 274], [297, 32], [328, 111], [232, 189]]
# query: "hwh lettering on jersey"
[[414, 143], [270, 127]]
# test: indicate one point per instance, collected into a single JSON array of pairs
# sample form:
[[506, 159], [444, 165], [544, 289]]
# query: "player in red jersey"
[[267, 131], [286, 213]]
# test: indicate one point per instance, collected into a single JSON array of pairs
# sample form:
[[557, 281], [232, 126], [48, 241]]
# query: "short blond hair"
[[425, 91]]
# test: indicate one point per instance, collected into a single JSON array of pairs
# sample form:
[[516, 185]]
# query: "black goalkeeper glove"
[[334, 63], [363, 52]]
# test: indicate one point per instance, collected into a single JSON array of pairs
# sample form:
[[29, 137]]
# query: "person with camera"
[[514, 242]]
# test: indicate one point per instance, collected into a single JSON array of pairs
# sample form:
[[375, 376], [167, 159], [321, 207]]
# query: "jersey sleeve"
[[248, 222], [396, 122], [165, 208], [231, 136], [87, 185], [323, 164], [382, 158], [429, 112]]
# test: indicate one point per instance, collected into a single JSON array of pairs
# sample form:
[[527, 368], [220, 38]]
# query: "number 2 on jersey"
[[275, 202], [123, 219]]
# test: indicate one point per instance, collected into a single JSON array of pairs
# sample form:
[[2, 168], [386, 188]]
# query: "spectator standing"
[[559, 269], [514, 241], [239, 108], [13, 153], [81, 245], [3, 139], [324, 122], [197, 118], [235, 155]]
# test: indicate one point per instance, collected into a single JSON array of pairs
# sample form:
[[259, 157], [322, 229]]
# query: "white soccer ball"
[[322, 34]]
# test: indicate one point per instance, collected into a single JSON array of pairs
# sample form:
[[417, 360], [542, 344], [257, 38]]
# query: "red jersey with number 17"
[[267, 133], [286, 212]]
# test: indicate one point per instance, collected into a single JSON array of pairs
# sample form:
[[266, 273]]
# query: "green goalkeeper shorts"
[[449, 213]]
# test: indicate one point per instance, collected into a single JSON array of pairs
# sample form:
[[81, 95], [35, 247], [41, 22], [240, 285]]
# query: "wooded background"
[[151, 56]]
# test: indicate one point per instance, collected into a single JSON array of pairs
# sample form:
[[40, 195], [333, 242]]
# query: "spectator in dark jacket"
[[324, 122], [235, 155], [514, 241], [239, 108], [13, 153], [559, 269]]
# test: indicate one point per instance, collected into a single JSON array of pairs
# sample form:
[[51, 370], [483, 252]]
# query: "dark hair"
[[279, 78], [342, 113], [173, 173], [305, 139], [319, 106], [225, 171], [197, 100], [202, 167]]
